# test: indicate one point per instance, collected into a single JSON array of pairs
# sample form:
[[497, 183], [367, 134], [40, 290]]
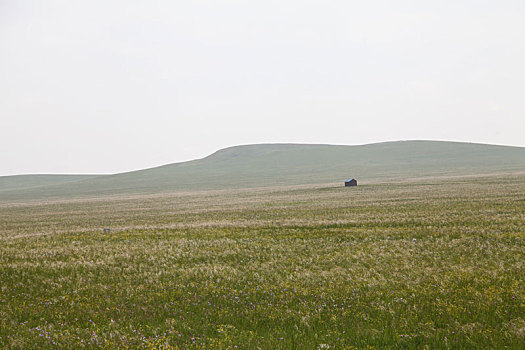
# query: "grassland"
[[429, 264], [252, 166]]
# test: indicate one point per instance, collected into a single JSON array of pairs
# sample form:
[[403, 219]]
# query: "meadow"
[[428, 264]]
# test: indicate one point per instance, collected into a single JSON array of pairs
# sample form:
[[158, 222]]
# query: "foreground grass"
[[415, 265]]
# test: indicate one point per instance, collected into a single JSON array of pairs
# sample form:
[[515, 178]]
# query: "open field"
[[428, 264]]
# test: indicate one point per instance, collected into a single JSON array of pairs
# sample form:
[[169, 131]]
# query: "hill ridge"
[[269, 164]]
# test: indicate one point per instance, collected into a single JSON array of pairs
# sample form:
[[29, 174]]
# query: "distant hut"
[[350, 182]]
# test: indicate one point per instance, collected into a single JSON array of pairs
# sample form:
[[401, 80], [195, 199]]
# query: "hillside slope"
[[16, 182], [292, 164]]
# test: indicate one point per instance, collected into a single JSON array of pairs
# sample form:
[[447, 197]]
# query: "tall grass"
[[412, 265]]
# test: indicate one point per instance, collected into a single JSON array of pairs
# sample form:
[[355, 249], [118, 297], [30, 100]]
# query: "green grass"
[[435, 264], [291, 164], [18, 182]]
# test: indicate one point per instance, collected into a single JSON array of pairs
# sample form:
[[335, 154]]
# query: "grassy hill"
[[16, 182], [293, 164]]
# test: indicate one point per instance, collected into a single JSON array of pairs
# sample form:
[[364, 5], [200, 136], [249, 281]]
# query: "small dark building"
[[350, 182]]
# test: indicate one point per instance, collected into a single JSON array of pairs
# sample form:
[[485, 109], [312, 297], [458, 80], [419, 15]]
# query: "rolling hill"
[[286, 164], [16, 182]]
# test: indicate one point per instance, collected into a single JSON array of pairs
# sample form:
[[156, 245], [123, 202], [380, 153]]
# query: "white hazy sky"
[[115, 85]]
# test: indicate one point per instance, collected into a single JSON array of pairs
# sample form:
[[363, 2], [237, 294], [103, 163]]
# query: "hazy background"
[[108, 86]]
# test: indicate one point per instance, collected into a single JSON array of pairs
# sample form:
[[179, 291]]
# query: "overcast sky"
[[116, 85]]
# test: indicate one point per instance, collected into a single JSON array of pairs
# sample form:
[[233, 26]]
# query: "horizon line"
[[259, 144]]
